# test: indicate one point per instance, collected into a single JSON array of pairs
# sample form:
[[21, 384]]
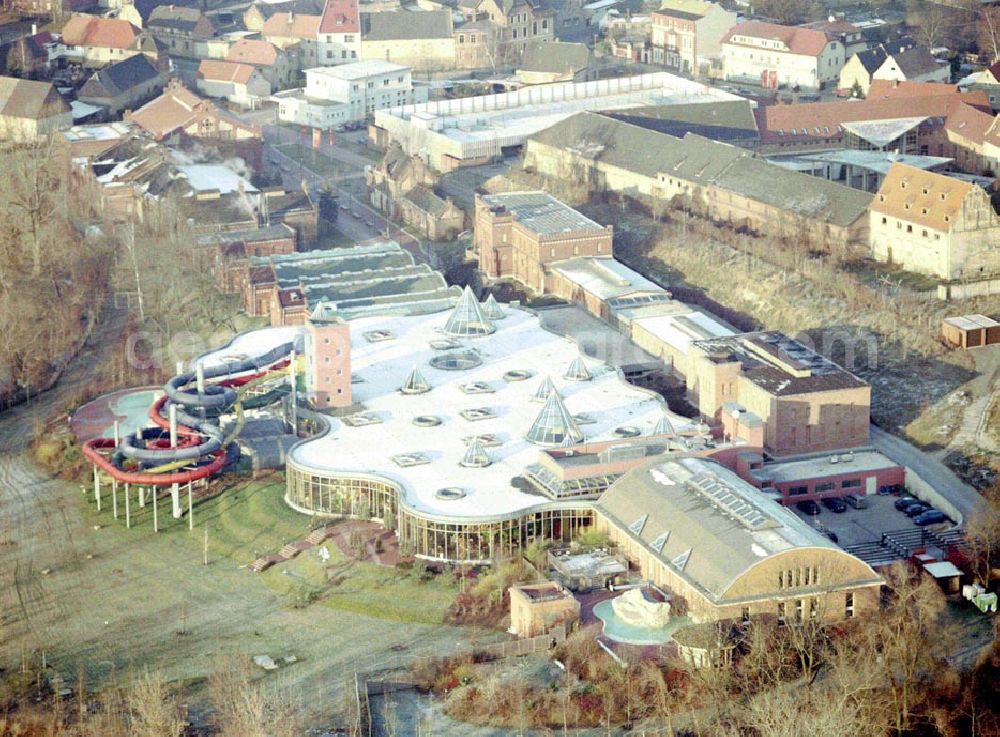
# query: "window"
[[813, 608], [884, 220], [923, 233], [461, 38], [781, 611], [798, 610], [329, 54], [798, 490], [850, 484], [849, 604], [745, 614], [825, 486], [909, 228]]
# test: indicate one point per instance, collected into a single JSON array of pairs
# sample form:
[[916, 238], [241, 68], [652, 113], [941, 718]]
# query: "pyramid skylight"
[[578, 371], [554, 425], [415, 383], [476, 455], [492, 309], [544, 390], [467, 319]]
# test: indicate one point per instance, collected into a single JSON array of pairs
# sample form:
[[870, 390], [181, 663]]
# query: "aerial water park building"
[[471, 432]]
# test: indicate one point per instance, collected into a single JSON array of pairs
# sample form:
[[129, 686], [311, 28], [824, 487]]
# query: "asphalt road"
[[965, 498]]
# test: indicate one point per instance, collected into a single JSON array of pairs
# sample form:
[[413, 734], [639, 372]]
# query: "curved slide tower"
[[187, 442]]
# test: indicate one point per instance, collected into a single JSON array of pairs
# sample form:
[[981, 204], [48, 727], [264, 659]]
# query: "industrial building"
[[472, 130], [723, 550]]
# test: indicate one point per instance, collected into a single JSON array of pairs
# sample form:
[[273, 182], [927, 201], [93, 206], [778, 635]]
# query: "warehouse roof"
[[708, 524], [400, 26], [542, 213]]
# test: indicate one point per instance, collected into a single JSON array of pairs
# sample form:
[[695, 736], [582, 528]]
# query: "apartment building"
[[772, 55], [686, 34], [349, 92], [338, 39]]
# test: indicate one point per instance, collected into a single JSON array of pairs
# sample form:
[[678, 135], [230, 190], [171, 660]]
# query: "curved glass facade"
[[353, 495]]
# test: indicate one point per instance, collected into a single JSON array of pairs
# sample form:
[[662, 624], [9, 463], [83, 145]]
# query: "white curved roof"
[[519, 343]]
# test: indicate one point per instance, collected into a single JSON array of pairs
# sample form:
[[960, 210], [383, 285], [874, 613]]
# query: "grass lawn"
[[316, 162], [362, 588], [250, 519]]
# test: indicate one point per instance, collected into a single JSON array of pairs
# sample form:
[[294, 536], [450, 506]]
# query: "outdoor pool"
[[621, 631]]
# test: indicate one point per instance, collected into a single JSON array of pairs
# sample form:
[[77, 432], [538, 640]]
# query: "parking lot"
[[865, 529]]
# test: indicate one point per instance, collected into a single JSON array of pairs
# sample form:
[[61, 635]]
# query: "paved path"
[[965, 498]]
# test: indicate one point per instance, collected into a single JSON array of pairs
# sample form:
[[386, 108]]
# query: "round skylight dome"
[[456, 361], [449, 493], [426, 420]]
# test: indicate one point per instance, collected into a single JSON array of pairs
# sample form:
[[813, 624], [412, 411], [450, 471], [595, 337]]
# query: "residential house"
[[686, 34], [772, 55], [934, 224], [30, 110], [338, 40], [554, 61], [240, 83], [257, 15], [969, 130], [422, 40], [184, 30], [277, 66], [519, 22], [401, 186], [714, 179], [293, 31], [27, 56], [850, 36], [122, 85], [94, 42], [179, 117], [348, 93], [857, 73], [913, 65], [987, 80], [477, 45]]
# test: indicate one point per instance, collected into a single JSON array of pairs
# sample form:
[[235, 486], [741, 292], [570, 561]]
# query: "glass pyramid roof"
[[476, 455], [492, 309], [554, 425], [467, 319], [415, 383], [664, 427], [578, 370], [544, 390]]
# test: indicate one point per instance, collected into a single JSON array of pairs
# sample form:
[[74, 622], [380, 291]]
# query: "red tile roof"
[[253, 51], [287, 25], [886, 88], [178, 107], [340, 16], [802, 41], [921, 197], [110, 33], [822, 120], [969, 123], [225, 71]]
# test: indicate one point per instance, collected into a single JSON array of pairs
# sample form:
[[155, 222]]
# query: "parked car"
[[891, 489], [930, 517], [903, 502], [808, 507], [858, 502], [832, 535], [916, 509], [835, 504]]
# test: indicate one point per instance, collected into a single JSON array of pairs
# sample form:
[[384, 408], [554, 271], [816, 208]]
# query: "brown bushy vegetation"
[[887, 674], [487, 599]]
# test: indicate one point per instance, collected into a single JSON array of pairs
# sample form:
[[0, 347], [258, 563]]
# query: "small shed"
[[947, 575], [536, 608], [971, 331]]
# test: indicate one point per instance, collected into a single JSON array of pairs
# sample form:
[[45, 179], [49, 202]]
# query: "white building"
[[348, 93], [771, 55]]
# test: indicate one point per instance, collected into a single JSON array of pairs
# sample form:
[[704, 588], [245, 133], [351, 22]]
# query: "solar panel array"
[[722, 496]]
